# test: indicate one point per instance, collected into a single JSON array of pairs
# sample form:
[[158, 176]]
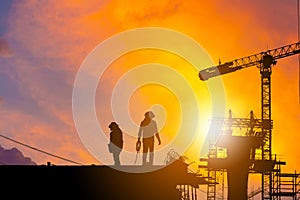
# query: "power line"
[[36, 149]]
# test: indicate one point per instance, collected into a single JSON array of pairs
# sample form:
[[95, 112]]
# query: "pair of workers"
[[147, 132]]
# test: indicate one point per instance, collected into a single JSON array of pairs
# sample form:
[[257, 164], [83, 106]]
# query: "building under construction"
[[233, 156], [237, 153], [251, 150]]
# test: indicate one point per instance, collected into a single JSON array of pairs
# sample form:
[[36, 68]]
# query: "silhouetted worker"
[[116, 142], [147, 130]]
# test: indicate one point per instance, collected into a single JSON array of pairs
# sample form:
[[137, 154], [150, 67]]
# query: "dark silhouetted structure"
[[236, 155], [264, 61], [96, 182]]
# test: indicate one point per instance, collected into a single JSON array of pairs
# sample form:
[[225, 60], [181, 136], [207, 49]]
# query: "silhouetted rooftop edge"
[[96, 181]]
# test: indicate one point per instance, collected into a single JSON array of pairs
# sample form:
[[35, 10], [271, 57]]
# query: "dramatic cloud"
[[146, 10], [14, 156], [50, 39]]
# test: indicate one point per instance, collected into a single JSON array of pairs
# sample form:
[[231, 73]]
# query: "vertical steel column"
[[266, 71], [211, 174]]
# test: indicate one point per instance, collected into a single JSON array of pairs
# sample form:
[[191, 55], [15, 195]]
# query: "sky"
[[43, 45]]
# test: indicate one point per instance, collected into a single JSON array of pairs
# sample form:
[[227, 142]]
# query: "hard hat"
[[113, 124], [150, 114]]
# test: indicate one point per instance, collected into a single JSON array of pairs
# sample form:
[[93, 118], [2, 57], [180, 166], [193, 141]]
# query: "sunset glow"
[[44, 44]]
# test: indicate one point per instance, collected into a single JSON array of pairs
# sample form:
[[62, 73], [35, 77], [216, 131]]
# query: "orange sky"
[[50, 40]]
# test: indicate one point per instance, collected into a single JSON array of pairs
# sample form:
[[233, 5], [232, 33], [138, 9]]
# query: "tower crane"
[[264, 61]]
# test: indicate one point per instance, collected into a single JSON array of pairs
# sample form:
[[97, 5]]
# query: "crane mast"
[[264, 61]]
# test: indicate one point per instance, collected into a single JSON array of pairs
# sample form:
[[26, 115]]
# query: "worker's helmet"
[[150, 114], [113, 124]]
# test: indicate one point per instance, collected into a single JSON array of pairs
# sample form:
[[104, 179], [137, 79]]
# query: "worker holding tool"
[[137, 148], [116, 142], [147, 131]]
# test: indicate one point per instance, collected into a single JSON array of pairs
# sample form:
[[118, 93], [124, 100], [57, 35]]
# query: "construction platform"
[[95, 182]]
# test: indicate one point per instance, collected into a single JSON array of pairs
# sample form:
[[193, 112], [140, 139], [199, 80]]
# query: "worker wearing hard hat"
[[148, 130], [116, 142]]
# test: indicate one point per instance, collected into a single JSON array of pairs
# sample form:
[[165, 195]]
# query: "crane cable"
[[36, 149]]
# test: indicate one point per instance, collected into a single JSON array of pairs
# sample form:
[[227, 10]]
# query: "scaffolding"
[[249, 128], [187, 192], [285, 185], [253, 193], [214, 176], [282, 185]]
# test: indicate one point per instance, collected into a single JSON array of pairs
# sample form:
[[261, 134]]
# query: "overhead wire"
[[39, 150]]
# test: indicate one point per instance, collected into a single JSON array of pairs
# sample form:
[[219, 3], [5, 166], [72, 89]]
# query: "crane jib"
[[249, 61]]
